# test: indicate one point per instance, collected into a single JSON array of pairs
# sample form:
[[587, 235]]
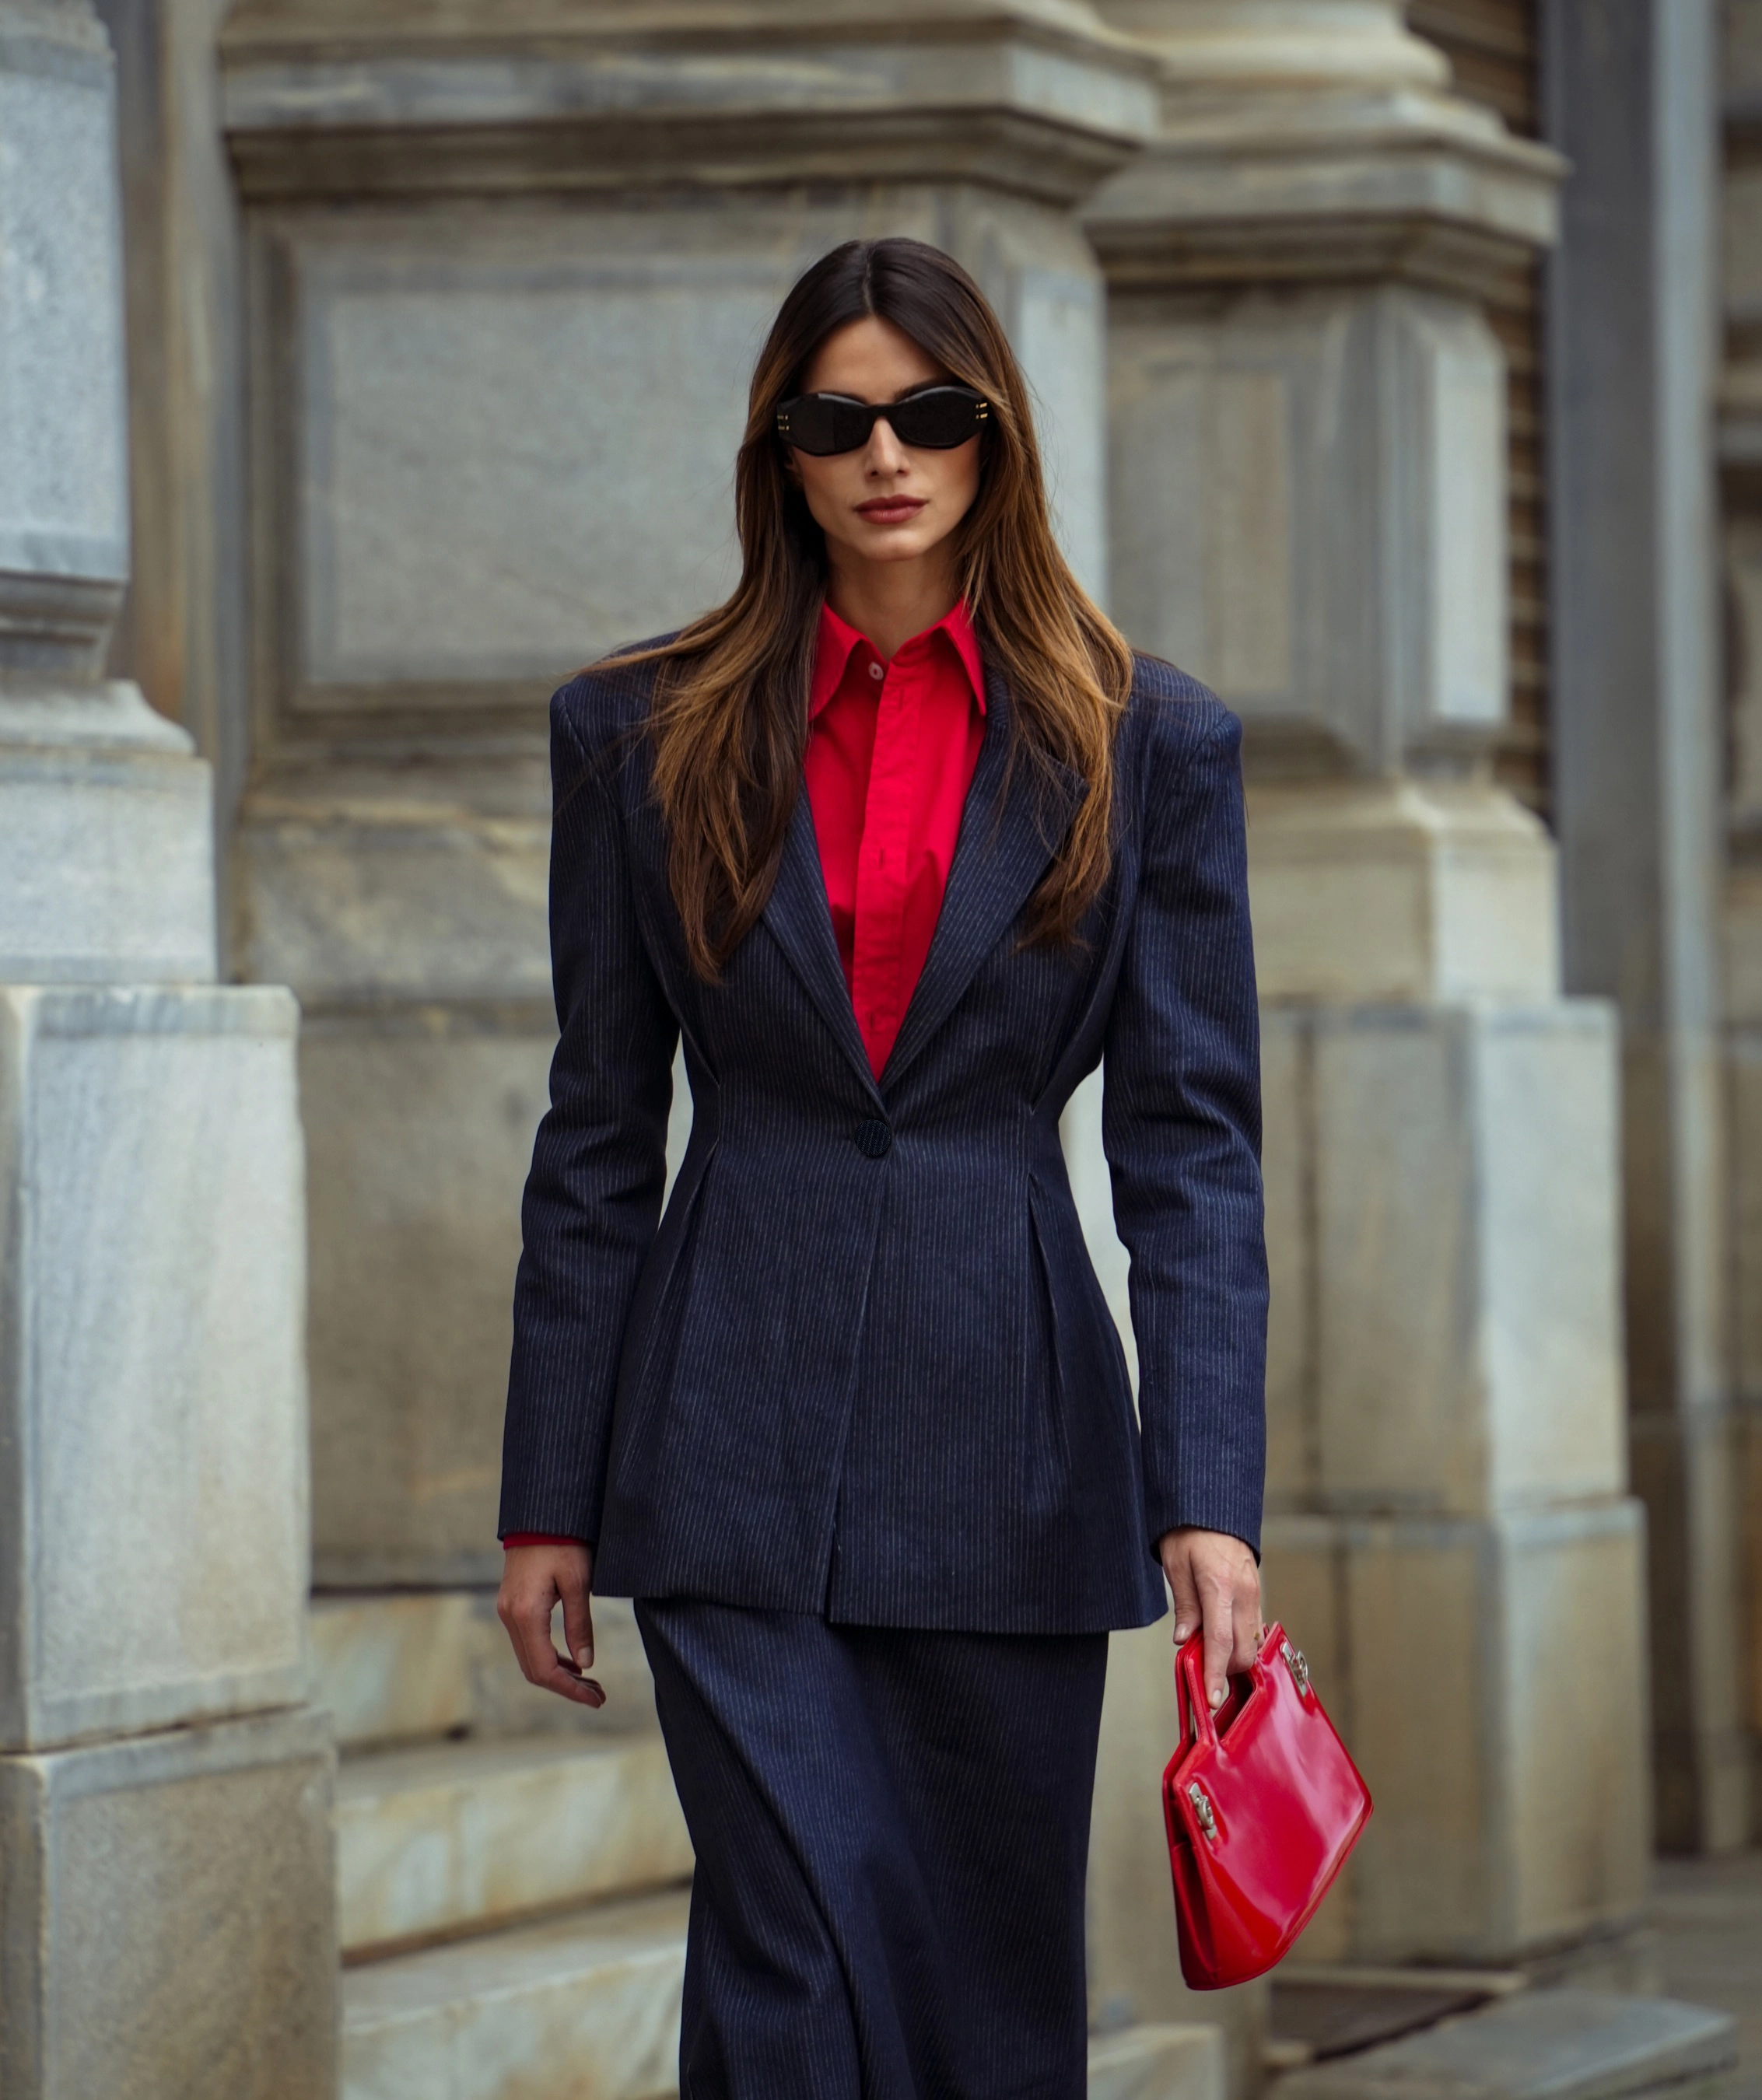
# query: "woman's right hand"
[[533, 1579]]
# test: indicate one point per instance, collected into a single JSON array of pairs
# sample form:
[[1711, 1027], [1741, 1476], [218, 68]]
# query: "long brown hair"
[[729, 720]]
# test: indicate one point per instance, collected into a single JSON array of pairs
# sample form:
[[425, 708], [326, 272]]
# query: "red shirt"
[[890, 752], [891, 748]]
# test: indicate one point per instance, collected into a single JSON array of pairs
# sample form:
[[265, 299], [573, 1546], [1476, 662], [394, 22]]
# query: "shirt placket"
[[882, 860]]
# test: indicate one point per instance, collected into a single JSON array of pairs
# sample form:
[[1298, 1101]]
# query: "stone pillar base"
[[1451, 1539], [167, 1916], [107, 821], [1401, 889], [153, 1542], [1489, 1674]]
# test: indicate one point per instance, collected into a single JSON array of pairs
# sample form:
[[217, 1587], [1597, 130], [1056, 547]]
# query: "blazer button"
[[873, 1138]]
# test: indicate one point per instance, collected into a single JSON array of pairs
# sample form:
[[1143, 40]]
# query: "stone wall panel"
[[153, 1470], [167, 1916], [1488, 1674]]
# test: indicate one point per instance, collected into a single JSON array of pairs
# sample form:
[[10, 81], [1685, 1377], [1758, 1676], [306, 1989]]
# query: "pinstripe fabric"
[[891, 1830], [888, 1387]]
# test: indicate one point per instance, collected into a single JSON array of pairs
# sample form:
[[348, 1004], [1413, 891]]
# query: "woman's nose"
[[886, 455]]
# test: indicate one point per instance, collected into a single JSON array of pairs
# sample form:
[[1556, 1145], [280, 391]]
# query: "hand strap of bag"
[[1189, 1679]]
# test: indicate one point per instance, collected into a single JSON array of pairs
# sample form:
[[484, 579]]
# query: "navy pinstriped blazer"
[[865, 1364]]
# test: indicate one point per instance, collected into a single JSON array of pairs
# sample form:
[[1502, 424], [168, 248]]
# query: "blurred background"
[[367, 365]]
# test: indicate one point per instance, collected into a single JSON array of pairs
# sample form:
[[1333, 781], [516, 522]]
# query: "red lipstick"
[[891, 509]]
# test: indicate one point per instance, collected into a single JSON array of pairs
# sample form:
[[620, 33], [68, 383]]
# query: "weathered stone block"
[[1342, 584], [419, 1127], [1489, 1678], [153, 1562], [1569, 2045], [1408, 892], [1157, 2061], [404, 1666], [1467, 1342], [431, 901], [63, 491], [167, 1916], [95, 790], [467, 1836], [1287, 1171], [525, 2012]]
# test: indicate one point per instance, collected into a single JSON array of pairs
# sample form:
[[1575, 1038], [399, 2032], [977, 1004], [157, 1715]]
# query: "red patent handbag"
[[1262, 1805]]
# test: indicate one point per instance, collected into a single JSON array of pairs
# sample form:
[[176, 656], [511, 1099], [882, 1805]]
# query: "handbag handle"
[[1190, 1676]]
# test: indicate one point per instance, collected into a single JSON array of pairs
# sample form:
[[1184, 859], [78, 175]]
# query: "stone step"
[[470, 1834], [589, 2005], [585, 2004], [1159, 2062], [1561, 2045], [393, 1666]]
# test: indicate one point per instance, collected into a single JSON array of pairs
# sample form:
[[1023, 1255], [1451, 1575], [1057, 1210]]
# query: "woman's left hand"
[[1216, 1585]]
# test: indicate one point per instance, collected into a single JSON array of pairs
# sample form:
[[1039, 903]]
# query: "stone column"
[[1308, 503], [165, 1886], [1633, 320]]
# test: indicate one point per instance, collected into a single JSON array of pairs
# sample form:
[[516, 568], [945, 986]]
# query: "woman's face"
[[888, 502]]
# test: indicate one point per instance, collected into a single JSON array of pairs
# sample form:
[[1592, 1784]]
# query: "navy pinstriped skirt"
[[892, 1829]]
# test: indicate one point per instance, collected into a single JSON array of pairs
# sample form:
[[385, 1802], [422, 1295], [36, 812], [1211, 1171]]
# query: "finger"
[[577, 1620], [569, 1682], [1215, 1602], [540, 1662], [1245, 1614], [1179, 1570]]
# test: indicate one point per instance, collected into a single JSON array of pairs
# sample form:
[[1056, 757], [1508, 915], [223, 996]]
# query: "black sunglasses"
[[938, 419]]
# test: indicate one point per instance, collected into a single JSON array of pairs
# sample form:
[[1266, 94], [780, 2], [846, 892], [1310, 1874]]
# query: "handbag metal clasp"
[[1202, 1810], [1298, 1668]]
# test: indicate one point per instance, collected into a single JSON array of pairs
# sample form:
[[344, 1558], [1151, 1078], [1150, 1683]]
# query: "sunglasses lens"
[[821, 424], [943, 417], [938, 419]]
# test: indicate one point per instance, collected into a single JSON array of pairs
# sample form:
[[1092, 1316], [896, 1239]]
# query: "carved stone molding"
[[63, 495], [1305, 140], [1036, 96]]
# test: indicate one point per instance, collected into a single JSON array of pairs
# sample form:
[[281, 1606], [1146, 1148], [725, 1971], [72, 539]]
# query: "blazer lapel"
[[1004, 846], [800, 919]]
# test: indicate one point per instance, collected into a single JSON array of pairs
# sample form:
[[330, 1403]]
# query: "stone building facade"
[[1387, 387]]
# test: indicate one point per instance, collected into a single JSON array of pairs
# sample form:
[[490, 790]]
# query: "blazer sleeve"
[[1181, 1128], [593, 1198]]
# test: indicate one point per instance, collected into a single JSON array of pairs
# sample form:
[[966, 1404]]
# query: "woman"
[[902, 839]]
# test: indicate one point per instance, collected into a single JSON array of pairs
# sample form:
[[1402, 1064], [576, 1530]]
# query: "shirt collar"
[[838, 637]]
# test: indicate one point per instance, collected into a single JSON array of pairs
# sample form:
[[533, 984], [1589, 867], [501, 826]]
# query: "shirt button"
[[874, 1139], [876, 671]]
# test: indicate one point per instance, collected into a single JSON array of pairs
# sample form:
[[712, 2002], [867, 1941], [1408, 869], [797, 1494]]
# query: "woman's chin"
[[894, 543]]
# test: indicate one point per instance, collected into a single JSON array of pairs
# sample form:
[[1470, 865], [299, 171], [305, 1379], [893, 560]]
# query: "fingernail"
[[1182, 1630], [585, 1657], [1218, 1699]]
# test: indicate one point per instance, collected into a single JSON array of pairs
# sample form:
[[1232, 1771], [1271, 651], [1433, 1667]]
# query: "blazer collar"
[[1005, 843], [1009, 831]]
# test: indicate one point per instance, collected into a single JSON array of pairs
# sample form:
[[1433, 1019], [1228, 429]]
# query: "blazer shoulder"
[[1174, 717], [602, 710]]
